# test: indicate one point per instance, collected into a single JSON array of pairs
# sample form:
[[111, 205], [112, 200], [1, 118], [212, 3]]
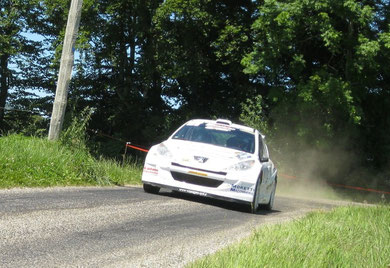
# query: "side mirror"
[[264, 159]]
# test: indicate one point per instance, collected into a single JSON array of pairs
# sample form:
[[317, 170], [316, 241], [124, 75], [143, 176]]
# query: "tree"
[[20, 57], [324, 64], [116, 71], [11, 21], [200, 45]]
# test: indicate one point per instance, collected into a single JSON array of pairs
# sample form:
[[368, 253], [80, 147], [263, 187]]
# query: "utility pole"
[[64, 76]]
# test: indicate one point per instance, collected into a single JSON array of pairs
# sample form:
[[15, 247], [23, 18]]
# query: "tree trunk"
[[4, 73]]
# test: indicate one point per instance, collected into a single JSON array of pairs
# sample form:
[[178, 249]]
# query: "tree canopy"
[[309, 74]]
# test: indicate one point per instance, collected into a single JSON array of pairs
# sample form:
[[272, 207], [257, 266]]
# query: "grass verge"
[[345, 237], [36, 162]]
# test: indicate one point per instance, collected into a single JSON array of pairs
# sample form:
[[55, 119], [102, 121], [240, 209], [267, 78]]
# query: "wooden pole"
[[65, 73]]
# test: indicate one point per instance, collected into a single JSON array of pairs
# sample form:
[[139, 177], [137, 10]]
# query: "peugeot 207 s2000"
[[216, 159]]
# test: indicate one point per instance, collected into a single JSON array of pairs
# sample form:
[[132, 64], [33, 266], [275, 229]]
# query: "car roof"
[[222, 122]]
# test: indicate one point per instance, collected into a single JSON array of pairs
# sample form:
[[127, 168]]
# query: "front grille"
[[199, 169], [202, 181]]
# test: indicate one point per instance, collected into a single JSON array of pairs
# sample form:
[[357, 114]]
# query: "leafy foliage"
[[253, 114], [74, 136], [200, 46], [322, 62], [312, 75]]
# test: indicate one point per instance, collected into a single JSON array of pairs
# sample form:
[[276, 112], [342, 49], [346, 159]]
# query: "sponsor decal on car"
[[241, 189], [197, 173], [192, 192], [243, 156], [185, 159], [219, 127], [150, 170]]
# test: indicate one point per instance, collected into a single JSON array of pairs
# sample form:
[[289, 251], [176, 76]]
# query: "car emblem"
[[201, 159]]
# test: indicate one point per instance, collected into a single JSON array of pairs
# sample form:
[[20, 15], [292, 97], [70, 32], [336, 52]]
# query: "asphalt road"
[[124, 227]]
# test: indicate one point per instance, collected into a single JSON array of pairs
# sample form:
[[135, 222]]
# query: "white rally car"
[[216, 159]]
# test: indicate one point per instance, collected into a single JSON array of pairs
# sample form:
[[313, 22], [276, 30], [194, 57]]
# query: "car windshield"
[[223, 136]]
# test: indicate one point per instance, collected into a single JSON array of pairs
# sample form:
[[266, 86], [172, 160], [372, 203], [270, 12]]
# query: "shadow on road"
[[216, 202]]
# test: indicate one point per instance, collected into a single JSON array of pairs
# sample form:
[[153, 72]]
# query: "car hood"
[[204, 156]]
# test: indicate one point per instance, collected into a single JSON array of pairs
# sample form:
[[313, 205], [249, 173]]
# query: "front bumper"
[[219, 185]]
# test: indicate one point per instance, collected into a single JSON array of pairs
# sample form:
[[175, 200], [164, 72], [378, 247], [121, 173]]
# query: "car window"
[[225, 137]]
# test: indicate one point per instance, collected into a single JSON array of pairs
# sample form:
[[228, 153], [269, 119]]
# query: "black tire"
[[270, 204], [255, 202], [151, 189]]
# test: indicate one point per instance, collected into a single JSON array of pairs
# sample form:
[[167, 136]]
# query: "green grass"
[[37, 162], [345, 237]]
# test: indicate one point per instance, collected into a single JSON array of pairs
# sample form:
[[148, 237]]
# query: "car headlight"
[[242, 166], [162, 150]]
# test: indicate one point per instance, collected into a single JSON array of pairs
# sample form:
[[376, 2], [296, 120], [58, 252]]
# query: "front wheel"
[[255, 203], [151, 189], [270, 204]]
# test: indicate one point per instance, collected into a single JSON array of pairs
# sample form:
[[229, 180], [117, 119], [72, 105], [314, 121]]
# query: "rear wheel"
[[151, 189]]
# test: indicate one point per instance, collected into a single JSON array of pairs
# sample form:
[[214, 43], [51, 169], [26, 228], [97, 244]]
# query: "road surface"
[[124, 227]]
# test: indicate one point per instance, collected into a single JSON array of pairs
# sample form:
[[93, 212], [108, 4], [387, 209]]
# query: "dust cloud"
[[306, 171]]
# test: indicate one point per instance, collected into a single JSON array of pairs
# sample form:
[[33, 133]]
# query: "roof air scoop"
[[223, 122]]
